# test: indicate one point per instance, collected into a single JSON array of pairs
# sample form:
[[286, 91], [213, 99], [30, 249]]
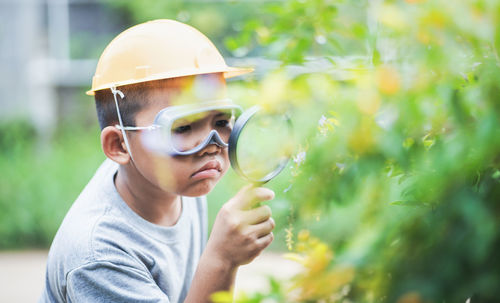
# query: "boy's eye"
[[221, 123], [182, 129]]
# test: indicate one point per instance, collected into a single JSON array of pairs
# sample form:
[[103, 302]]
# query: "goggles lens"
[[188, 132]]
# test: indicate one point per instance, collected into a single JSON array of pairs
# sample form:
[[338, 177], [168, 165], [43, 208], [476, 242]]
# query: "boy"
[[137, 232]]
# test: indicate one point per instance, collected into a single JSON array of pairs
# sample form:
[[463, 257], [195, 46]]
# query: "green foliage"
[[293, 30], [397, 167], [399, 160], [216, 19], [40, 181]]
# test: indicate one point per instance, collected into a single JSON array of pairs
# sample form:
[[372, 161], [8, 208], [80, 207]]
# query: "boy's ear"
[[113, 145]]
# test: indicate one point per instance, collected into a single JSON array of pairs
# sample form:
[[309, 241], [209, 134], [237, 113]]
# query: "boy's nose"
[[210, 149]]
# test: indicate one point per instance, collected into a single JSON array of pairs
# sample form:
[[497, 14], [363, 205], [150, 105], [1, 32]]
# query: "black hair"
[[137, 98]]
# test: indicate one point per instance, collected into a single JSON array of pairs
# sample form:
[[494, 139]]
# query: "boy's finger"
[[263, 228], [240, 198], [248, 196], [264, 241], [257, 215]]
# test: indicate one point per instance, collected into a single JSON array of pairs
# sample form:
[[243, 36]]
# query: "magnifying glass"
[[260, 145]]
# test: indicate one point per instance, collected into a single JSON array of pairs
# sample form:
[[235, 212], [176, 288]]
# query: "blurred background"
[[393, 191], [48, 131]]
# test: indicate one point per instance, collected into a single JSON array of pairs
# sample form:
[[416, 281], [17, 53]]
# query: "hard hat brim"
[[229, 72]]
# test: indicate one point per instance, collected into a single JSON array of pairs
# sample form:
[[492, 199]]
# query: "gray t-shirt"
[[105, 252]]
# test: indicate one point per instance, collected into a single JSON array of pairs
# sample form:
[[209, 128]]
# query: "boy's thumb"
[[249, 196]]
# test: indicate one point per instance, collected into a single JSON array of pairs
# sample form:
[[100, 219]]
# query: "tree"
[[400, 146]]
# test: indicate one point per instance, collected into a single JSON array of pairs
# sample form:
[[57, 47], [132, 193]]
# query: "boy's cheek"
[[163, 172], [170, 172]]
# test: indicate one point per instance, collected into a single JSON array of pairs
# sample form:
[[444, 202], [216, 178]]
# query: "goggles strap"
[[122, 128]]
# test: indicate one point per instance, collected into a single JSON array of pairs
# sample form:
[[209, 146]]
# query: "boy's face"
[[192, 175]]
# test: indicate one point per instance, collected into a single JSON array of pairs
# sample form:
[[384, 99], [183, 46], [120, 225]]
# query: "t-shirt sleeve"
[[105, 281]]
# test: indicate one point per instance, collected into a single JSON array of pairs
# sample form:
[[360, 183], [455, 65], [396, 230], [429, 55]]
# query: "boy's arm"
[[239, 234], [117, 281]]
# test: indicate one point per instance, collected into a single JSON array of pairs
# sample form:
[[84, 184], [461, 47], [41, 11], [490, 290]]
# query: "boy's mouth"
[[211, 169]]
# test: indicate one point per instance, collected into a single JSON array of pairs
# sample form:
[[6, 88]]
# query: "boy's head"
[[147, 68]]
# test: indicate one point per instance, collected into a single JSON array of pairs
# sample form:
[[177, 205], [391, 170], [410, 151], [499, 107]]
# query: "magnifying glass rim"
[[233, 144]]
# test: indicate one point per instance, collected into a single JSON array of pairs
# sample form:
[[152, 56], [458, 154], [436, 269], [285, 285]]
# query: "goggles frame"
[[166, 117]]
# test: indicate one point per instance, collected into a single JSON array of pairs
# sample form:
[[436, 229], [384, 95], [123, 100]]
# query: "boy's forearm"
[[212, 275], [239, 234]]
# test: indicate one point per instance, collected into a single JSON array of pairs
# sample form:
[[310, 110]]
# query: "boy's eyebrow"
[[190, 121], [184, 120], [221, 114]]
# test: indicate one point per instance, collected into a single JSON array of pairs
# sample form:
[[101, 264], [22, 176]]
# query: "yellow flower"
[[303, 235], [319, 281], [295, 257], [289, 237], [319, 258], [388, 80]]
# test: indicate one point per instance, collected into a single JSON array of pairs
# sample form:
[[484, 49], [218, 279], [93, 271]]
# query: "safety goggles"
[[187, 129]]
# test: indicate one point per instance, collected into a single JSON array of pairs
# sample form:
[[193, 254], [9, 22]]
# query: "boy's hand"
[[240, 231]]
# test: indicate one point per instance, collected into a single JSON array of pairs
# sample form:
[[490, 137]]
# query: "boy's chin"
[[200, 188]]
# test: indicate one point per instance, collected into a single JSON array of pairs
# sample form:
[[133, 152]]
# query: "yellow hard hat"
[[155, 50]]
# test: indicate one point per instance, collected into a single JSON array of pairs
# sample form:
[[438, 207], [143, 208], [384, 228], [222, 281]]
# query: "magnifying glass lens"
[[264, 146]]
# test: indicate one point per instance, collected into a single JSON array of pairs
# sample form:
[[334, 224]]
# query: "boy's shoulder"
[[99, 221], [90, 218], [101, 228]]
